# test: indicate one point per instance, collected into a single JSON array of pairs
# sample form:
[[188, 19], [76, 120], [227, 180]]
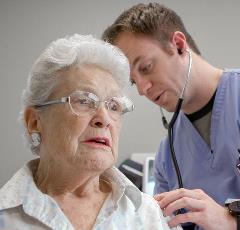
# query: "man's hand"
[[203, 210]]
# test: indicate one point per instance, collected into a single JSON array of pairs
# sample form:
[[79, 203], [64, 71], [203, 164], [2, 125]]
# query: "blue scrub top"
[[212, 169]]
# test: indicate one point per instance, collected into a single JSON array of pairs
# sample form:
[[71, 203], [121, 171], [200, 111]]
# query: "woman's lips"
[[99, 141]]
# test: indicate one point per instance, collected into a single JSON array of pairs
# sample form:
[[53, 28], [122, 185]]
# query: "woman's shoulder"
[[149, 203], [12, 193], [153, 214]]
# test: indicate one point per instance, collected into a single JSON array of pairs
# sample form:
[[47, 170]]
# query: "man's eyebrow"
[[136, 60]]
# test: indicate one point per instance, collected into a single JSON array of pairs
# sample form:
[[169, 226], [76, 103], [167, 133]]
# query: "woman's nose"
[[101, 118]]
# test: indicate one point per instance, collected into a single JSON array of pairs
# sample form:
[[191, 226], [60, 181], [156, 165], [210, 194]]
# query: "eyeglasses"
[[82, 103]]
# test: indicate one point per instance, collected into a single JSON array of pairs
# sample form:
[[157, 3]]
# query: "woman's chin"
[[95, 160], [98, 164]]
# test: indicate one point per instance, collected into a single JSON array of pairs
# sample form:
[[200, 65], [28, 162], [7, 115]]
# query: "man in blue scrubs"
[[207, 130]]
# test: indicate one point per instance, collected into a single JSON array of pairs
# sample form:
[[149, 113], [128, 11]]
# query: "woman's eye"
[[115, 106], [79, 100], [87, 102], [83, 101]]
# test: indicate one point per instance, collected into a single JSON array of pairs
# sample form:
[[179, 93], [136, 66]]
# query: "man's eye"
[[146, 68]]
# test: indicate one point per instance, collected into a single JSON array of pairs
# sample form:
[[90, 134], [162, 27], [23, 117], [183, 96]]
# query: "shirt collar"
[[122, 185], [22, 190], [12, 192]]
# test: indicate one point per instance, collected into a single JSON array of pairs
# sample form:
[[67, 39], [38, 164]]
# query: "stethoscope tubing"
[[173, 120]]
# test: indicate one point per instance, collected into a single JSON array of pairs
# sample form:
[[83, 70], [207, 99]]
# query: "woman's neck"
[[61, 180]]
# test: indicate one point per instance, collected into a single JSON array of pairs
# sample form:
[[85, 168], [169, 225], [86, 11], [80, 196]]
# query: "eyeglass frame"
[[68, 99]]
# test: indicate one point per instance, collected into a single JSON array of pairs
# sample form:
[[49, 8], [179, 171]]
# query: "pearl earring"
[[36, 139]]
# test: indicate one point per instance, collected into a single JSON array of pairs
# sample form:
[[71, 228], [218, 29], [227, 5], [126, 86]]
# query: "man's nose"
[[143, 85]]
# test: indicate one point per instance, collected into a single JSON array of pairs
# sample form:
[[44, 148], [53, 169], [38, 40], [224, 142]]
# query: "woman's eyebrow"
[[88, 88], [91, 89]]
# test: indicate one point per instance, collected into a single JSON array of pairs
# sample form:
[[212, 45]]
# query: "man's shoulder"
[[232, 70], [230, 82], [235, 73]]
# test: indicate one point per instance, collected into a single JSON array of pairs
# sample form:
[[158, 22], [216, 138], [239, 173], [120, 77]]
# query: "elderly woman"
[[72, 113]]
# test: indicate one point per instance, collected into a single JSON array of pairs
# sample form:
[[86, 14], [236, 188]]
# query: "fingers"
[[219, 219], [202, 209], [164, 199], [185, 202], [192, 217]]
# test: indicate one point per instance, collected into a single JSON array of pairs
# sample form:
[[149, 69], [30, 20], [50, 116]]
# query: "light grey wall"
[[27, 26]]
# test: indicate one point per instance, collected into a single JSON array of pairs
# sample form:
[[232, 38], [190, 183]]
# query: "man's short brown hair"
[[153, 20]]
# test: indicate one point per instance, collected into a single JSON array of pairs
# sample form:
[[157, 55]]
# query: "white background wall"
[[27, 26]]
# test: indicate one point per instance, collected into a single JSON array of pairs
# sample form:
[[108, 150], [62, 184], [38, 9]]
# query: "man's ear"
[[32, 120], [179, 42]]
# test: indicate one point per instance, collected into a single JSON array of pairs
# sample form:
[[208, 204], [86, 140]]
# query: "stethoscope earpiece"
[[179, 51]]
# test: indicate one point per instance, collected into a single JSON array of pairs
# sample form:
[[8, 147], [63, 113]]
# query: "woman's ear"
[[32, 120], [179, 42]]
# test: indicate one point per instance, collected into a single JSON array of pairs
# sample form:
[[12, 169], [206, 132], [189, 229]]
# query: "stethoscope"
[[169, 126]]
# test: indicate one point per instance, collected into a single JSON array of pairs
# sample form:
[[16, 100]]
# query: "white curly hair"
[[68, 52]]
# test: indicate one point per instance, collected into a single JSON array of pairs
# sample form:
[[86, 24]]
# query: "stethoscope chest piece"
[[238, 167], [238, 164]]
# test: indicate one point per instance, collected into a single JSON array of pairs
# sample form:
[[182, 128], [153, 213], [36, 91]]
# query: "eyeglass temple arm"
[[58, 101]]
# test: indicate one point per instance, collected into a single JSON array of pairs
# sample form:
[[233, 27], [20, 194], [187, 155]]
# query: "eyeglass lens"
[[85, 102]]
